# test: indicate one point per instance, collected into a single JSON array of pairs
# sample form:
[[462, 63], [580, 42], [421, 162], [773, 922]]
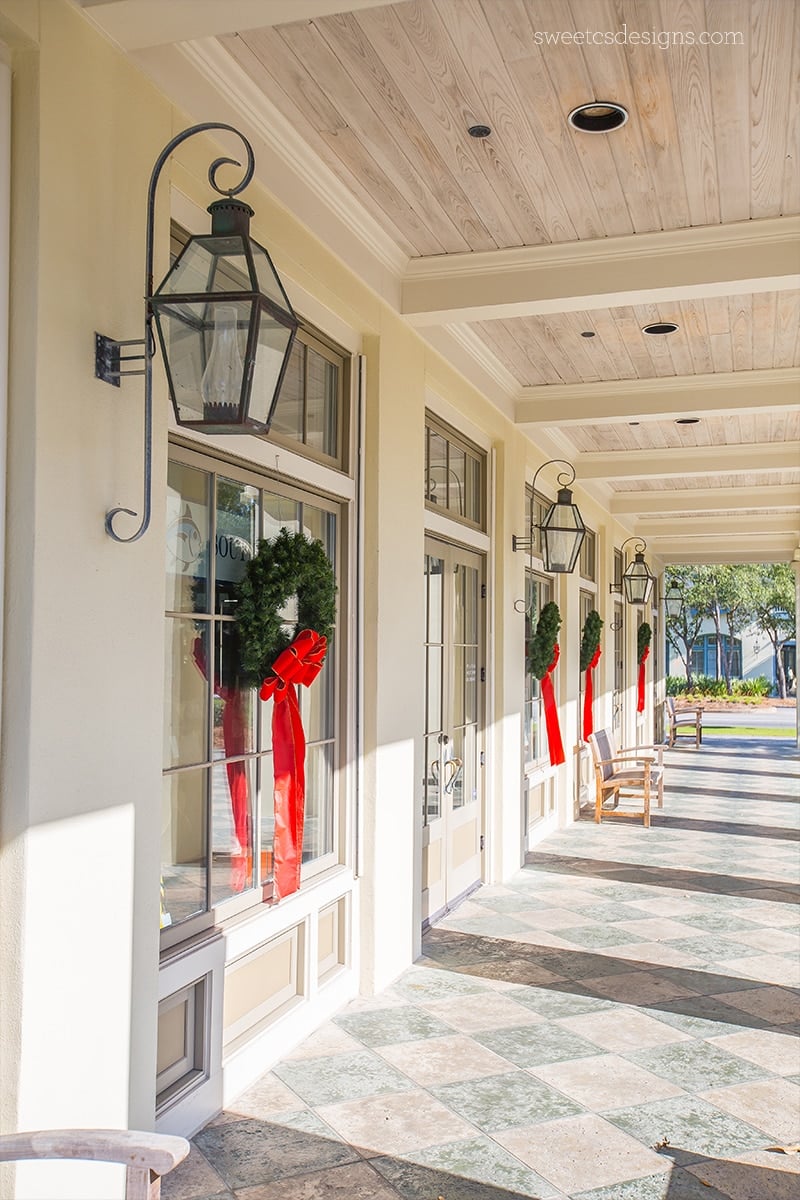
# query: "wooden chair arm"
[[156, 1152], [608, 762]]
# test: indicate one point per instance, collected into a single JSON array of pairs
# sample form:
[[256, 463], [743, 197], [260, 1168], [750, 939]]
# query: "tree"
[[772, 601], [684, 630]]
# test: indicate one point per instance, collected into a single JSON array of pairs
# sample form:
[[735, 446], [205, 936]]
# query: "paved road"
[[755, 719]]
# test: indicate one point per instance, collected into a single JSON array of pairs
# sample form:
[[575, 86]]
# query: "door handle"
[[458, 766]]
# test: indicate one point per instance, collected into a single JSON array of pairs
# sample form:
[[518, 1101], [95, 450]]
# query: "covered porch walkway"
[[618, 1022]]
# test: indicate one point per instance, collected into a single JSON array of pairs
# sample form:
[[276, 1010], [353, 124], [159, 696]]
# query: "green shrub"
[[760, 686], [706, 685], [676, 685]]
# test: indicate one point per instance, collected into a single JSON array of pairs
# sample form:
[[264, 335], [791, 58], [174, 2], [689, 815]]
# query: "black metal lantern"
[[673, 601], [225, 326], [562, 529], [637, 579], [224, 323], [563, 532]]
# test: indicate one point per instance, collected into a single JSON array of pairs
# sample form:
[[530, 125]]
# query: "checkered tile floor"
[[618, 1022]]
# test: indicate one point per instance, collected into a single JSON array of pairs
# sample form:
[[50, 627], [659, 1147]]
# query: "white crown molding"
[[485, 358], [216, 65]]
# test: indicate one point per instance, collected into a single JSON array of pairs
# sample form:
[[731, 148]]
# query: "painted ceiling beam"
[[688, 461], [644, 268], [765, 523], [704, 500], [750, 550], [136, 24], [659, 399]]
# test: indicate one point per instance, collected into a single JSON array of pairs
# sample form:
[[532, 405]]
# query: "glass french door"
[[453, 735], [619, 669]]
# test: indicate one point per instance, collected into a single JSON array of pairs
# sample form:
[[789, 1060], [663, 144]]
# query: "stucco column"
[[394, 635]]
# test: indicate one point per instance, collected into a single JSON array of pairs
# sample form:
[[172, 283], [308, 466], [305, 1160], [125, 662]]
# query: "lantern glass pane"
[[563, 532], [271, 351], [673, 602], [209, 264], [204, 350], [637, 582], [267, 279]]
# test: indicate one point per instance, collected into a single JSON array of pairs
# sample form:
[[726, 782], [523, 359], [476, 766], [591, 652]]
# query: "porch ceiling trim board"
[[135, 24], [703, 500], [688, 461], [701, 525], [644, 268], [748, 549], [658, 399]]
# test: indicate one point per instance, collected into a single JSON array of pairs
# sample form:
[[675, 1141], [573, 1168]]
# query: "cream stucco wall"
[[82, 698]]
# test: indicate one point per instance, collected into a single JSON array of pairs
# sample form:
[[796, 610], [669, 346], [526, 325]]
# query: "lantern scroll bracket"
[[108, 357]]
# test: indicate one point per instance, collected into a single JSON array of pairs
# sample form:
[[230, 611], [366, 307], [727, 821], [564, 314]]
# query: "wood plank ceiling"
[[382, 98], [385, 98]]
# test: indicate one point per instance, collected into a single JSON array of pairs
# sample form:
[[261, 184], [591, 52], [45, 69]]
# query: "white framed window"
[[538, 591], [217, 827], [588, 557], [455, 475]]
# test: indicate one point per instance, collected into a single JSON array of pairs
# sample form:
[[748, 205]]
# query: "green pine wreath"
[[290, 565], [543, 643], [643, 638], [590, 638]]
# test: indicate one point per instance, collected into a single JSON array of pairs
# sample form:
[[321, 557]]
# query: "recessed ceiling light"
[[479, 131], [660, 327], [599, 116], [588, 333], [687, 420]]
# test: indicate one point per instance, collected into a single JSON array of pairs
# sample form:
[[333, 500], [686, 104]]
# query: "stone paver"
[[619, 1021]]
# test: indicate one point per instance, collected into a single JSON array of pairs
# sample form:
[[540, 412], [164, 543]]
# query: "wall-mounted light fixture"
[[673, 601], [224, 324], [562, 530], [637, 579]]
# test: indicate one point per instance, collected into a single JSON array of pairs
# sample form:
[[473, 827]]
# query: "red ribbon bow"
[[640, 687], [588, 697], [299, 663], [554, 743]]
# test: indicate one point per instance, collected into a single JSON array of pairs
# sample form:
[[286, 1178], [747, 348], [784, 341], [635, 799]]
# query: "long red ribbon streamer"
[[233, 736], [554, 743], [640, 696], [299, 663], [588, 697]]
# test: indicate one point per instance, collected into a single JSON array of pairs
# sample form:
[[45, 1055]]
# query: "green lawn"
[[749, 731]]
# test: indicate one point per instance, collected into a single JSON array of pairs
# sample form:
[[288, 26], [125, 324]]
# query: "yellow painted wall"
[[81, 772]]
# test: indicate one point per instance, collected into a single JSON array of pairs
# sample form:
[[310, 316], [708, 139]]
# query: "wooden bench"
[[688, 720], [147, 1157], [636, 771]]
